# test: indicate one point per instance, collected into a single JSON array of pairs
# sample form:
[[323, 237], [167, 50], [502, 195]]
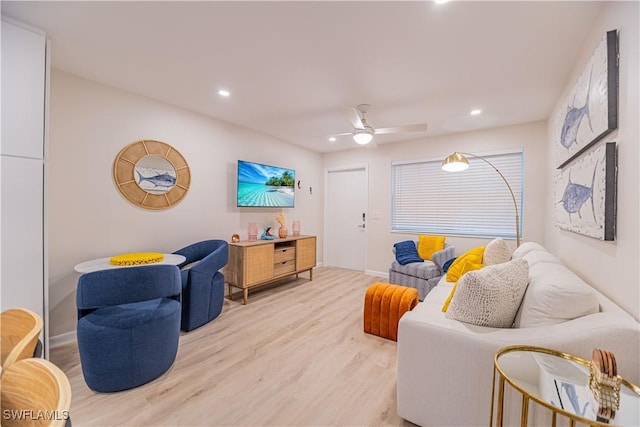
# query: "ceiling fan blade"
[[355, 119], [337, 134], [422, 127]]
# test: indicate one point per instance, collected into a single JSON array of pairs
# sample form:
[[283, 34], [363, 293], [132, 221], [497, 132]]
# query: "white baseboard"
[[62, 339], [377, 273]]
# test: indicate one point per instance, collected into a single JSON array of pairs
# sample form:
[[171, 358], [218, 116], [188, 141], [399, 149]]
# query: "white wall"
[[612, 267], [89, 218], [531, 137]]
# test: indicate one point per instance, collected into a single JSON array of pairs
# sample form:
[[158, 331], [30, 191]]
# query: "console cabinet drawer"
[[284, 267], [284, 254]]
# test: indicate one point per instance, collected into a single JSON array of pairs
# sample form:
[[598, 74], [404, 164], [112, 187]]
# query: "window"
[[475, 202]]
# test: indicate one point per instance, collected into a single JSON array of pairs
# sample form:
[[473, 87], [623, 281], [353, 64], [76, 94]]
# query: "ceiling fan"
[[363, 133]]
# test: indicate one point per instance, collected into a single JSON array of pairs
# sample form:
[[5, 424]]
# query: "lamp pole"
[[513, 197]]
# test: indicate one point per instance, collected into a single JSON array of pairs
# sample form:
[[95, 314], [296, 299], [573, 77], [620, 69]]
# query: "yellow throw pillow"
[[473, 255], [466, 267], [428, 245], [445, 306]]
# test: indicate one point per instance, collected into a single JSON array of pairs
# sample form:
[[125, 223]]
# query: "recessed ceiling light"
[[225, 93], [332, 139], [440, 1], [475, 112]]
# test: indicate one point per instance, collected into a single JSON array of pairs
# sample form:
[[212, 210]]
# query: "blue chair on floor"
[[128, 325], [202, 282]]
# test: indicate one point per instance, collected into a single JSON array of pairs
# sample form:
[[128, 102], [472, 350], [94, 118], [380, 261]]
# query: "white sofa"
[[445, 367]]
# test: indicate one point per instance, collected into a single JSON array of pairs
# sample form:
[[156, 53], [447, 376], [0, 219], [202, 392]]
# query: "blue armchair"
[[202, 282], [128, 325]]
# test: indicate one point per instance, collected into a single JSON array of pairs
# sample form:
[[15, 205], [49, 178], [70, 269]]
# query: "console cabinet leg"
[[245, 295]]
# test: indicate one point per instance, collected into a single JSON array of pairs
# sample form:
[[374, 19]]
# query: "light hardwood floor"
[[296, 355]]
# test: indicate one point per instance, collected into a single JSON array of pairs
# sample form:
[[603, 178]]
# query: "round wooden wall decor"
[[151, 174]]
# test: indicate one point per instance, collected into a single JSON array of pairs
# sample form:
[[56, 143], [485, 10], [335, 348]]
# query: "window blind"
[[474, 202]]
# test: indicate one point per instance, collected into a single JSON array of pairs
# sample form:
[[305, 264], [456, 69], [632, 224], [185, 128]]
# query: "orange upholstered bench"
[[384, 305]]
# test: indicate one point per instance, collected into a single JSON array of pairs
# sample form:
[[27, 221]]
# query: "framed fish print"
[[151, 174], [154, 174], [591, 109], [585, 194]]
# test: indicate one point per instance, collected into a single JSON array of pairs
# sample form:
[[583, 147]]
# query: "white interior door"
[[346, 218]]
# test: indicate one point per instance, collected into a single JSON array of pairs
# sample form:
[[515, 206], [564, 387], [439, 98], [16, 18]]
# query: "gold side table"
[[558, 382]]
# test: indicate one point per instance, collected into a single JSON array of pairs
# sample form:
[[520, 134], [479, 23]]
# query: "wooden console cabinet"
[[253, 264]]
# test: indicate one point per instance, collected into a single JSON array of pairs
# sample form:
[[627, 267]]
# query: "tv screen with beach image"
[[265, 186]]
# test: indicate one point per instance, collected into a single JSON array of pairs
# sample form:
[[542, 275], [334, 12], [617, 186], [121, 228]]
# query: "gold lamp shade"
[[455, 162]]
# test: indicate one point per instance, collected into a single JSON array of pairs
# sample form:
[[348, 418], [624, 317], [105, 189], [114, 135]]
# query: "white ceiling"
[[293, 68]]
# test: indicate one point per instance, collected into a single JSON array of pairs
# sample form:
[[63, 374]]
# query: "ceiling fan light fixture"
[[363, 136]]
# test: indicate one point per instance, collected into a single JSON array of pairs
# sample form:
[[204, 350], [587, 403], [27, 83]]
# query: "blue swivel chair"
[[128, 325], [202, 282]]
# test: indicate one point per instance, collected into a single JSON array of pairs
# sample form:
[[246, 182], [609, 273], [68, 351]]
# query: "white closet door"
[[23, 277], [22, 234]]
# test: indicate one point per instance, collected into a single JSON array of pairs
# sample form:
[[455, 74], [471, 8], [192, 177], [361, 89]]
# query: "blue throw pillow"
[[447, 264], [406, 252]]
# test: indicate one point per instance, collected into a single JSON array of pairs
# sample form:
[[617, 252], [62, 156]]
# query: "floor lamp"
[[458, 162]]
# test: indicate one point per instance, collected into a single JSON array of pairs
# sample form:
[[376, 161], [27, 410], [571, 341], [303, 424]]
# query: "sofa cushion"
[[527, 247], [467, 267], [406, 252], [490, 296], [496, 252], [423, 270], [472, 255], [536, 256], [555, 295], [428, 245]]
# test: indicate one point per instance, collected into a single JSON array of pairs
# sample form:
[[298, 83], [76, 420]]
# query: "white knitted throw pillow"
[[490, 296], [496, 252]]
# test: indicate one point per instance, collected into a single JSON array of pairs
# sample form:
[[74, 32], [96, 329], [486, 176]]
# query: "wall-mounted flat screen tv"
[[265, 186]]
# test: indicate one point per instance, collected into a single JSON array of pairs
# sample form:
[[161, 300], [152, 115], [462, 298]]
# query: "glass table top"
[[561, 381]]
